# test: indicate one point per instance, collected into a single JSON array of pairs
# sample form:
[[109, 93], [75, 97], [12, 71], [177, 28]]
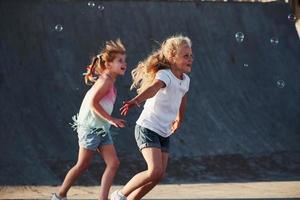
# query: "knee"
[[82, 166], [113, 164], [155, 174], [160, 176]]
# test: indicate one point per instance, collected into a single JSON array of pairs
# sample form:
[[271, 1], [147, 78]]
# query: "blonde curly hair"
[[144, 74]]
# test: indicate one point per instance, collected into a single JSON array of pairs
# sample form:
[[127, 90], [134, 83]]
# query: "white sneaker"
[[56, 197], [116, 195]]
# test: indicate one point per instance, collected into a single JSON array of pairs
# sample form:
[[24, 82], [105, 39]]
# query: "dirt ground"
[[253, 190]]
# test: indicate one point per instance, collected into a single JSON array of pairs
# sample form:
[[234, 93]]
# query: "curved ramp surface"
[[242, 119]]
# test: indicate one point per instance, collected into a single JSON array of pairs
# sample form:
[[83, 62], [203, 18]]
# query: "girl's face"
[[118, 65], [183, 59]]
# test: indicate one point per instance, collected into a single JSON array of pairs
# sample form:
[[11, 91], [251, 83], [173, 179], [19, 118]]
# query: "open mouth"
[[123, 68]]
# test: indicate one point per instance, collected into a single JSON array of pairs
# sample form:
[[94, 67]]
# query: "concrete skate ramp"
[[242, 119]]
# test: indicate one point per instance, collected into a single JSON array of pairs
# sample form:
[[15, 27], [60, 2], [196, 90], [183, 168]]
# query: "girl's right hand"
[[127, 105], [119, 123]]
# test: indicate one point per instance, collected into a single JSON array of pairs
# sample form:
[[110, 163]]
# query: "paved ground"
[[255, 190]]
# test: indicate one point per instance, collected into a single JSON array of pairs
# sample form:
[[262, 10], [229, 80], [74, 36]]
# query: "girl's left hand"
[[175, 126], [119, 123]]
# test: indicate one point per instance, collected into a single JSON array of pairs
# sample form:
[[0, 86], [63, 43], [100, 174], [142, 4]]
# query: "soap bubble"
[[239, 36], [274, 40], [91, 4], [59, 27], [280, 83], [292, 17], [101, 7]]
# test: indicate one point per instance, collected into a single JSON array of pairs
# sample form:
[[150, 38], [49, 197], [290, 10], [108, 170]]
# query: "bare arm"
[[182, 107], [149, 92], [180, 115], [146, 94], [100, 89]]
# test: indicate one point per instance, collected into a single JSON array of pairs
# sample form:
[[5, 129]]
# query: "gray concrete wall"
[[236, 111]]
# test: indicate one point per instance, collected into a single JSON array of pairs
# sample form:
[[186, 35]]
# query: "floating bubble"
[[91, 4], [246, 65], [274, 40], [239, 36], [292, 17], [280, 84], [101, 7], [59, 27]]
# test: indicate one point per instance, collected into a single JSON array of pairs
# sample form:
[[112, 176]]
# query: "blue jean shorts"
[[147, 138], [94, 139]]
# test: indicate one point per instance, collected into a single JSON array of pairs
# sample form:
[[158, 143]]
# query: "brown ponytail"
[[98, 63], [90, 75]]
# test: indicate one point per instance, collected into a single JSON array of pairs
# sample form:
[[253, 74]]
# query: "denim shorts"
[[147, 138], [94, 139]]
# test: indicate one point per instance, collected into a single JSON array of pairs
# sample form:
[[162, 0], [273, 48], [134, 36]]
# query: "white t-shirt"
[[161, 110]]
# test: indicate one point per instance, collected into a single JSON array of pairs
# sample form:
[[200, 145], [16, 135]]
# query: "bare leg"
[[153, 158], [111, 160], [142, 191], [84, 158]]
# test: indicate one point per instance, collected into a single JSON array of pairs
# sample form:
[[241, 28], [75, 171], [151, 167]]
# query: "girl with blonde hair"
[[162, 82], [94, 119]]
